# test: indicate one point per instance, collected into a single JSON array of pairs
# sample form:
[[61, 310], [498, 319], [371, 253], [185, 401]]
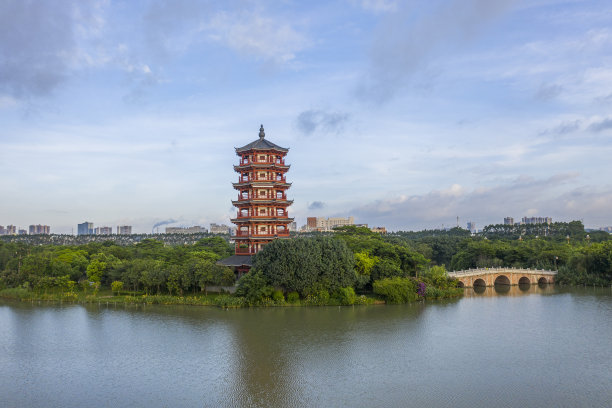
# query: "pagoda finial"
[[261, 132]]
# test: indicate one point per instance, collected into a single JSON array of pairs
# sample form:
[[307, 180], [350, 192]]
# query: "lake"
[[511, 347]]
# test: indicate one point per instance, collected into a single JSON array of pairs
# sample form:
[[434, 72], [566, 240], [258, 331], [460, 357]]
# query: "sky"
[[403, 114]]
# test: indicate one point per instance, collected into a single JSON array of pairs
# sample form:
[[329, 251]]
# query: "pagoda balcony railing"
[[284, 215], [264, 235], [264, 197], [273, 161], [274, 178]]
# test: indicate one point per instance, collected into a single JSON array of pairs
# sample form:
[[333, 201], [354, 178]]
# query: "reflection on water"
[[508, 290], [507, 340]]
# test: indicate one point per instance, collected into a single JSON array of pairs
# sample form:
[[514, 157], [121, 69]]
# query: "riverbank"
[[212, 299]]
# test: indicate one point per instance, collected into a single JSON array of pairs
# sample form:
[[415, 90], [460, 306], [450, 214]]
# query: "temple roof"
[[236, 260], [261, 144]]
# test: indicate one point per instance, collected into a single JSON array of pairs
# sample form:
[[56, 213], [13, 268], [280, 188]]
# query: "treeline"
[[351, 265], [580, 257], [148, 266], [124, 240]]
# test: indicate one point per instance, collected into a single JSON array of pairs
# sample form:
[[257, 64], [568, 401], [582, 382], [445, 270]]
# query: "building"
[[103, 230], [471, 226], [2, 230], [219, 229], [124, 230], [380, 230], [537, 220], [311, 223], [508, 221], [262, 200], [85, 228], [39, 229], [328, 224], [186, 230], [23, 232], [11, 230], [292, 226]]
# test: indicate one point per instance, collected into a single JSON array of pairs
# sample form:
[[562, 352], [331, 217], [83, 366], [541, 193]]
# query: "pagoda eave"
[[279, 202], [261, 166], [261, 219], [261, 184], [259, 238]]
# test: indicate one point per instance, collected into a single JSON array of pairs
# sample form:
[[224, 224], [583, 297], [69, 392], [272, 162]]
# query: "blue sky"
[[402, 114]]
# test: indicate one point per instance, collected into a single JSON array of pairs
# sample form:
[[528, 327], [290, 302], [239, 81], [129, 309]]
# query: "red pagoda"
[[262, 200]]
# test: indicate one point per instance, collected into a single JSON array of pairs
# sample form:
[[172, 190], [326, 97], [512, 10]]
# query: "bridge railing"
[[478, 271]]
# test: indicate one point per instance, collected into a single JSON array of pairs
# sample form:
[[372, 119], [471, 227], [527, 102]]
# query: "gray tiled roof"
[[261, 144], [236, 260]]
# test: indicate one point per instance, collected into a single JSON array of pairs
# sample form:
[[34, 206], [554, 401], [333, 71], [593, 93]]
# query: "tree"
[[306, 265], [116, 287]]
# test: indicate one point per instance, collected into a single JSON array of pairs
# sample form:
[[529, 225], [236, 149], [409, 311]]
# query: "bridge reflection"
[[509, 290]]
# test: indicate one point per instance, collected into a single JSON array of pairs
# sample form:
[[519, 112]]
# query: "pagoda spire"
[[261, 132]]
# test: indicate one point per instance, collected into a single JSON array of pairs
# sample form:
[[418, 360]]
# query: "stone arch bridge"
[[502, 276]]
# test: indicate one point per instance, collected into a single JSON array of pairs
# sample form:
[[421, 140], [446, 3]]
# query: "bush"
[[278, 297], [346, 296], [320, 298], [253, 287], [293, 297], [396, 290]]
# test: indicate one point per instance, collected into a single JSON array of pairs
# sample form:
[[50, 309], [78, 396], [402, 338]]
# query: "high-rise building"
[[103, 230], [11, 230], [124, 230], [86, 228], [23, 232], [2, 230], [39, 229], [219, 229], [508, 221], [311, 223], [471, 226], [537, 220], [262, 199]]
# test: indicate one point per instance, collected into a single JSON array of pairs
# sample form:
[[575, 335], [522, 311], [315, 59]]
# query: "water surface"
[[528, 346]]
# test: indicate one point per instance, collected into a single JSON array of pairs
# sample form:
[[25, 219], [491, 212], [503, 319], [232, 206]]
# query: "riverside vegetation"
[[350, 266]]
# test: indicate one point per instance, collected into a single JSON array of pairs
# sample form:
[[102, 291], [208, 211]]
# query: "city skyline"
[[401, 114]]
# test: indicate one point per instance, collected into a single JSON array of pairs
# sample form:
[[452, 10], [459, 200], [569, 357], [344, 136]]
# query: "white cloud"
[[252, 34]]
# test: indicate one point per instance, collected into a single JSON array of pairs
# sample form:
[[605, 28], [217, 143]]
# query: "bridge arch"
[[543, 281], [502, 280], [524, 281], [460, 284], [479, 282]]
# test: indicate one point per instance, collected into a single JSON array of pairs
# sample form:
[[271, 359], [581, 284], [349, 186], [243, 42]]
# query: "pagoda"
[[262, 200]]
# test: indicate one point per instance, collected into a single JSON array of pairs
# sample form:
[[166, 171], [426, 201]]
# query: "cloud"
[[564, 128], [316, 205], [36, 42], [548, 91], [481, 204], [378, 6], [249, 33], [169, 25], [406, 41], [601, 125], [311, 121]]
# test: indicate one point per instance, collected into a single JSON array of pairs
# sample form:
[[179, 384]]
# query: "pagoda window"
[[262, 158], [280, 211]]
